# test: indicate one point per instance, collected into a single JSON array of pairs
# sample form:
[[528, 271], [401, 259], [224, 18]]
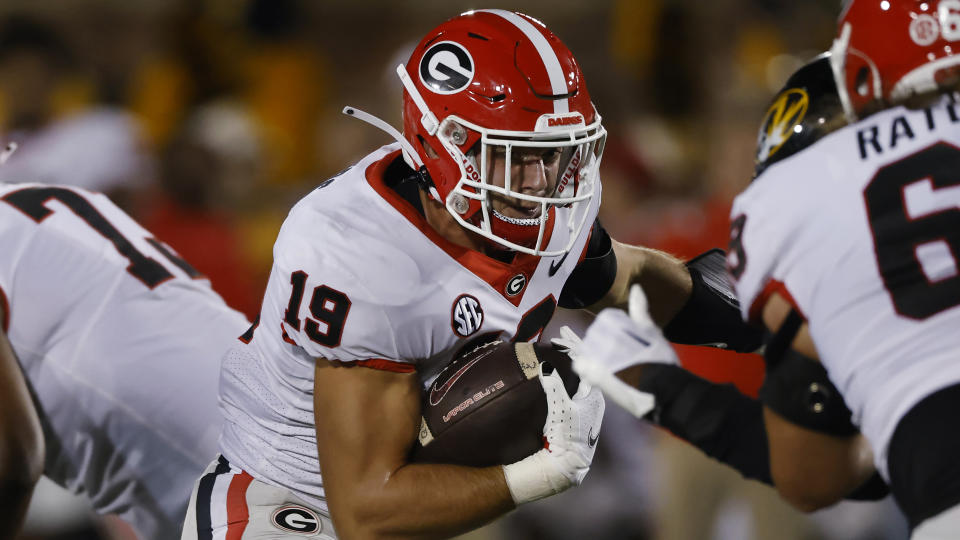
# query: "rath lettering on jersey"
[[886, 134]]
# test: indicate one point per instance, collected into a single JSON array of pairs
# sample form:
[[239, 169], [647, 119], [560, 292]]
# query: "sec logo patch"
[[466, 315], [297, 520]]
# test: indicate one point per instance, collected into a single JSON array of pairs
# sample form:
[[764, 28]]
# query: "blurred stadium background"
[[208, 119]]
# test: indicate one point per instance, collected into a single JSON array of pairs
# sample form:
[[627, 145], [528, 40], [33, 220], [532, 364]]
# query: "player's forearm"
[[814, 470], [664, 279], [422, 501]]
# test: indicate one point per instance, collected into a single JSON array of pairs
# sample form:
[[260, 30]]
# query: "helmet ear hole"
[[862, 81]]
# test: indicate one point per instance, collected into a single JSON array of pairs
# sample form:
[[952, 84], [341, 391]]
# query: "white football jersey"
[[359, 276], [120, 341], [861, 232]]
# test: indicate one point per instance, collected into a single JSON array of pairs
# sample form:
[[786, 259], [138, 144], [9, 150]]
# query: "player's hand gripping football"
[[616, 341], [570, 434]]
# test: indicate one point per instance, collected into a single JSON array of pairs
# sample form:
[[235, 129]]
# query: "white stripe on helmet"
[[550, 61]]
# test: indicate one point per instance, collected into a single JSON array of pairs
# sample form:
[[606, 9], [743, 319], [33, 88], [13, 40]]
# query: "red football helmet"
[[486, 93], [889, 50]]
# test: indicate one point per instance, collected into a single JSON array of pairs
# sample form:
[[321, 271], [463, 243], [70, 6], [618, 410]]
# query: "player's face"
[[533, 171]]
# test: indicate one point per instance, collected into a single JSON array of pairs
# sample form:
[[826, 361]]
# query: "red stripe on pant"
[[237, 513]]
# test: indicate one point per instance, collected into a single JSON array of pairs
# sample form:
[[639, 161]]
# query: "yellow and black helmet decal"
[[781, 121], [806, 109]]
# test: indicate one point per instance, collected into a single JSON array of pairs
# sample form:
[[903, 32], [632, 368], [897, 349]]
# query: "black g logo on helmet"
[[446, 68]]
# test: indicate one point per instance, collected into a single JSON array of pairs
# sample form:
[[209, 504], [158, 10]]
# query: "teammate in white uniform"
[[864, 247], [870, 265], [118, 341], [849, 252], [476, 225]]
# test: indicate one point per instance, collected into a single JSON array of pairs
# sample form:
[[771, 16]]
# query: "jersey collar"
[[497, 274]]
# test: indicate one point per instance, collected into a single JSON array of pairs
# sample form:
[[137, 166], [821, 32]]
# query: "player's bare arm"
[[775, 312], [692, 301], [665, 279], [366, 422], [813, 470], [21, 441], [810, 469]]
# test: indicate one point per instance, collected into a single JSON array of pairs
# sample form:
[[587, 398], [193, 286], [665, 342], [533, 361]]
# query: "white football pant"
[[229, 504]]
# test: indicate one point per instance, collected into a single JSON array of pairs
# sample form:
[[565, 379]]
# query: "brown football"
[[488, 407]]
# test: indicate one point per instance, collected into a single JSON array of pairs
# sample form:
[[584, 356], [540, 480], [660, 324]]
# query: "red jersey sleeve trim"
[[384, 365], [286, 338], [755, 314]]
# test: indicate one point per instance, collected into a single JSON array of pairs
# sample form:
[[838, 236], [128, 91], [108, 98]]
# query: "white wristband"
[[533, 478]]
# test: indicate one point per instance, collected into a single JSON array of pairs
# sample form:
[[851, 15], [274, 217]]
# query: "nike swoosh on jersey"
[[555, 267], [592, 439]]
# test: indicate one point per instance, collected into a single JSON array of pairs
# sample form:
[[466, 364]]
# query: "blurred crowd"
[[208, 119]]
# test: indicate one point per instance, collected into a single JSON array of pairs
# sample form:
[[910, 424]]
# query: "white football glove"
[[616, 341], [571, 432]]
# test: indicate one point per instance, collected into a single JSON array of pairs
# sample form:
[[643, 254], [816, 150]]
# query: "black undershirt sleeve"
[[716, 418], [594, 275]]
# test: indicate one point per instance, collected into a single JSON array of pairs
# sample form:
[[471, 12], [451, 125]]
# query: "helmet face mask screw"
[[460, 203], [457, 133]]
